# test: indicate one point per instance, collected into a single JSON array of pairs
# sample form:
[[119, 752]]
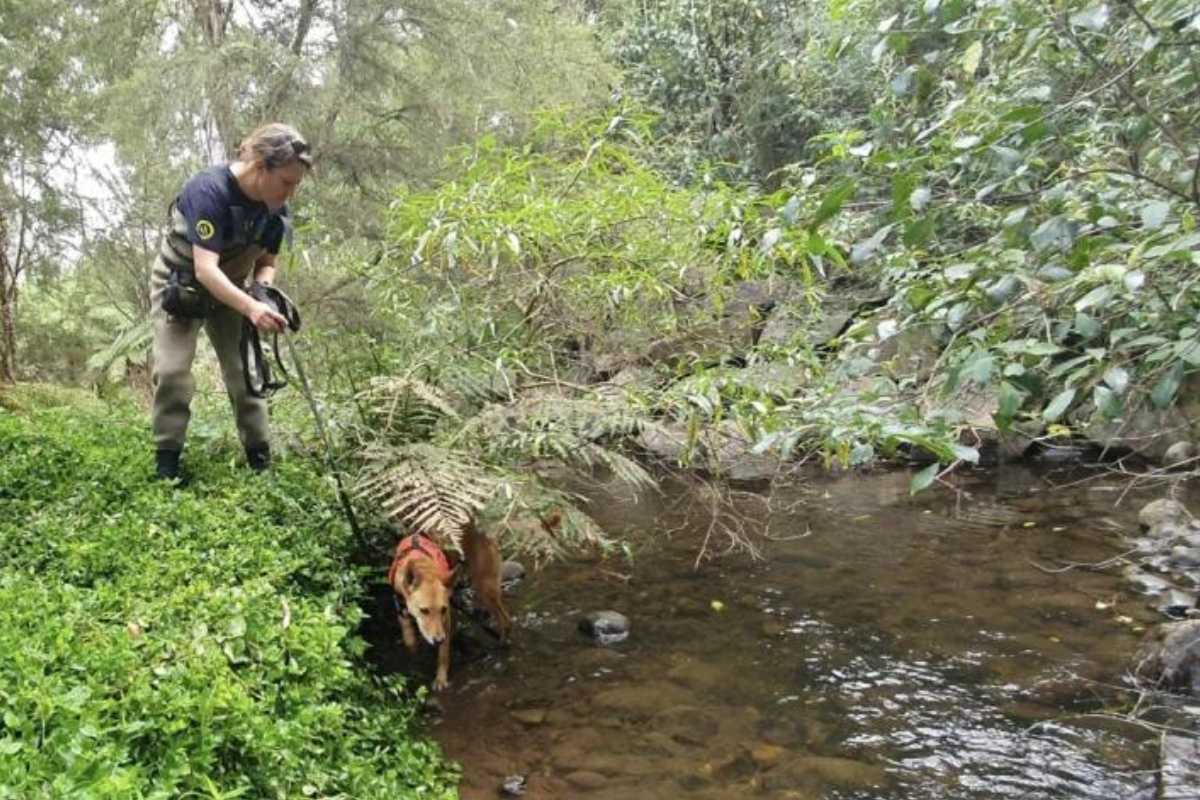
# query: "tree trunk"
[[213, 17], [8, 306]]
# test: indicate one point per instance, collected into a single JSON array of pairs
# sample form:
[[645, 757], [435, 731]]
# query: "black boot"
[[259, 457], [166, 464]]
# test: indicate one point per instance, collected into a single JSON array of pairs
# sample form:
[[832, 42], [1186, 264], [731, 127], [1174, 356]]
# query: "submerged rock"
[[1180, 770], [1157, 512], [511, 573], [1174, 660], [1179, 453], [605, 627]]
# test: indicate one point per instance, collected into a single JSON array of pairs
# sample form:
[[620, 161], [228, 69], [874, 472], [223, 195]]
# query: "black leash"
[[254, 362]]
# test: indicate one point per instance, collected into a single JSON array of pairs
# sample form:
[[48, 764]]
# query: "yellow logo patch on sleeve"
[[205, 229]]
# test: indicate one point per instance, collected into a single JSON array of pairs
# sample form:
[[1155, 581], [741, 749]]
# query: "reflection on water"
[[928, 647]]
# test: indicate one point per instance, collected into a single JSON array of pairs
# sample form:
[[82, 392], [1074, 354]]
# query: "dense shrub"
[[167, 642]]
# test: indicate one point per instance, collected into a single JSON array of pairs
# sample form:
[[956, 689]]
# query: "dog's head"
[[426, 592]]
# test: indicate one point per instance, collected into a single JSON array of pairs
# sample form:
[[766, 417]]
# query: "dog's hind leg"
[[483, 558]]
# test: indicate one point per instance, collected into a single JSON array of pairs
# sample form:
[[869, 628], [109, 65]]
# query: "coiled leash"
[[253, 360]]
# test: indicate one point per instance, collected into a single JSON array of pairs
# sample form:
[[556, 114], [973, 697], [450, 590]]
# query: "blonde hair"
[[275, 145]]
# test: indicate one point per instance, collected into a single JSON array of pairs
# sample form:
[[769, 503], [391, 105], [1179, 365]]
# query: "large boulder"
[[1171, 658], [724, 449], [1146, 431]]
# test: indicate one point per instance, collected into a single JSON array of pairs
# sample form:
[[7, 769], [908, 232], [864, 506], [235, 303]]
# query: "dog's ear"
[[409, 578]]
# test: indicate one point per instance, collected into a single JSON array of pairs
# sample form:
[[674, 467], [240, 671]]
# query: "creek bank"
[[1168, 571], [748, 343]]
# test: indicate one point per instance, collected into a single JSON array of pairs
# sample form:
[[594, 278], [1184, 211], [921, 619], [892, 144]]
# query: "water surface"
[[888, 646]]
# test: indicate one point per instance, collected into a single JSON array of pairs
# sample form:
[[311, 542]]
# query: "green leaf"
[[1107, 402], [964, 453], [1167, 387], [918, 231], [1096, 297], [979, 369], [1155, 214], [1056, 232], [1117, 379], [970, 60], [833, 201], [1189, 351], [1009, 403], [1058, 406], [924, 478], [1093, 19], [1041, 349]]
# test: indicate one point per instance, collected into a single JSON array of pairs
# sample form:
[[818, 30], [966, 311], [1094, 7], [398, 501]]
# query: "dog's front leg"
[[407, 631], [442, 680]]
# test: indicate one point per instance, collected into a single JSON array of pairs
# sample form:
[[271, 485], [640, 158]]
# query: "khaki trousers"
[[174, 351]]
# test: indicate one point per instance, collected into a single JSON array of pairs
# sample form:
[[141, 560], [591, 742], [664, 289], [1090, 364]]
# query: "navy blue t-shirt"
[[220, 216]]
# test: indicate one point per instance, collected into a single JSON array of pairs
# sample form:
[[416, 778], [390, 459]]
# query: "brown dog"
[[422, 576]]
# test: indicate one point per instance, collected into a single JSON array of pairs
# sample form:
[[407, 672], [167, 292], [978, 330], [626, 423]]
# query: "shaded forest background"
[[844, 230]]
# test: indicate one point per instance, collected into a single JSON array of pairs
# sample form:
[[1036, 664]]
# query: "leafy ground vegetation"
[[197, 642]]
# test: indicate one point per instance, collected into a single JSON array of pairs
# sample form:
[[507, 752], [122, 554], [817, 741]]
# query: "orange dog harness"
[[418, 546]]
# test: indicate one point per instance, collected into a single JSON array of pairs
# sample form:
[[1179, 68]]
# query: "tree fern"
[[476, 381], [573, 431], [426, 488], [402, 409]]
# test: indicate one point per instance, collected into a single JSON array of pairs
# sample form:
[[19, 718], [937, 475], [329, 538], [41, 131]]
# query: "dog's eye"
[[425, 612]]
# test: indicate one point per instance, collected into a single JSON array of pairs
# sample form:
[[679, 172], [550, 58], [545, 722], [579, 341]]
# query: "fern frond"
[[477, 382], [404, 409], [521, 519], [426, 488], [572, 431], [132, 342]]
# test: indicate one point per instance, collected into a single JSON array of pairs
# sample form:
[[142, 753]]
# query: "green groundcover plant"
[[197, 642]]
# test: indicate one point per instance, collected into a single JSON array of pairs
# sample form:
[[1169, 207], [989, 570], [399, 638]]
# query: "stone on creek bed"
[[843, 773], [605, 627], [1157, 512], [1180, 776], [1174, 660]]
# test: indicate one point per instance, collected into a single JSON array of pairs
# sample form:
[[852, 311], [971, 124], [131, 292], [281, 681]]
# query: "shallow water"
[[888, 647]]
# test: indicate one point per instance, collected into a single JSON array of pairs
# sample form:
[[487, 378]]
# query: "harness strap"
[[416, 544]]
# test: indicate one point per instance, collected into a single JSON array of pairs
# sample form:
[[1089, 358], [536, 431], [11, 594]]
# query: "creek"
[[888, 646]]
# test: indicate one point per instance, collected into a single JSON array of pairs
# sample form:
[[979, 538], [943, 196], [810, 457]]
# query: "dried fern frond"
[[477, 382], [523, 515], [426, 488], [592, 419], [569, 430], [404, 409]]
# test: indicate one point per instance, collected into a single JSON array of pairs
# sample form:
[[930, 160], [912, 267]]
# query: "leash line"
[[331, 468]]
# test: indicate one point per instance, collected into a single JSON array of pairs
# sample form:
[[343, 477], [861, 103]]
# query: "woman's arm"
[[218, 284], [264, 269]]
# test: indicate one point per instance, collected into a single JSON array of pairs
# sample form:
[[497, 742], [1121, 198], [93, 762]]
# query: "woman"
[[227, 227]]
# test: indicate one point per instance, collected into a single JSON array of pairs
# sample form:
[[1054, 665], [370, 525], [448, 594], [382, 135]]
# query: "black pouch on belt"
[[186, 297]]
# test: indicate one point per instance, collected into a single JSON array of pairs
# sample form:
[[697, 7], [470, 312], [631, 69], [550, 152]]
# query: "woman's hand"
[[266, 319]]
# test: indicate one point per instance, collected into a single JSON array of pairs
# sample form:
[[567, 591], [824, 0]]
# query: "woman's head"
[[279, 157]]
